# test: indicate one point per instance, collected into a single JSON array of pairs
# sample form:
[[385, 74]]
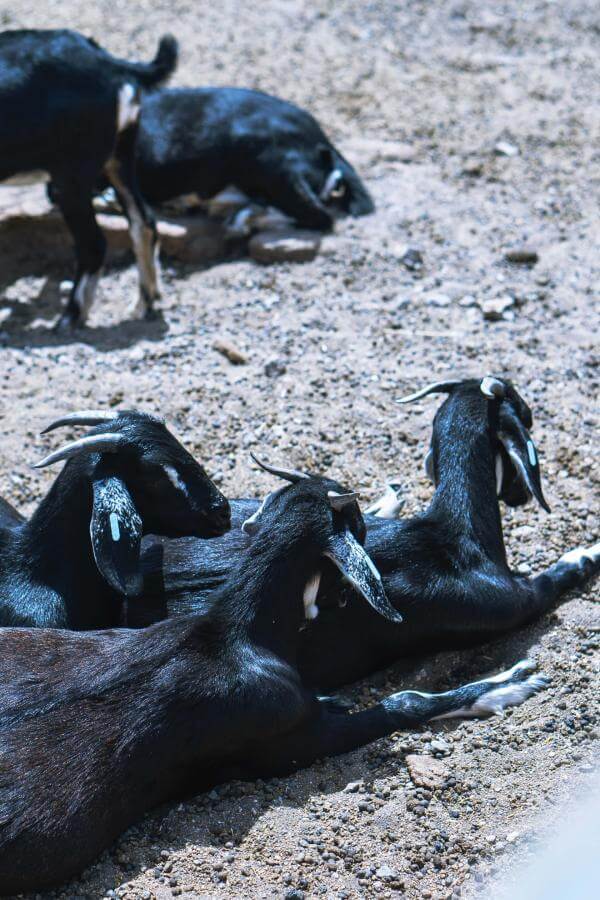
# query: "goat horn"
[[288, 474], [341, 501], [93, 443], [492, 387], [437, 387], [83, 417]]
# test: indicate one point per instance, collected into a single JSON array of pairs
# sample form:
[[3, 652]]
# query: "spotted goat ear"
[[356, 565], [116, 534], [517, 442]]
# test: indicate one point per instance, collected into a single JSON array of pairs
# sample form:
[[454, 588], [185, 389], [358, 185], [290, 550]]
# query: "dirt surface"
[[477, 127]]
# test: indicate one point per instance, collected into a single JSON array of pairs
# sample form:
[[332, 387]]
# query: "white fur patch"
[[386, 507], [577, 556], [495, 701], [499, 473], [311, 610], [114, 527], [531, 453], [84, 293], [175, 479], [128, 107], [144, 249]]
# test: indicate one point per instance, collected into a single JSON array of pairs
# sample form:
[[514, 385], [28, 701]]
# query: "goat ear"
[[116, 534], [356, 565], [522, 451]]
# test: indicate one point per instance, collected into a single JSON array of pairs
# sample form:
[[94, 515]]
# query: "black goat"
[[200, 141], [95, 729], [74, 561], [70, 110], [445, 569]]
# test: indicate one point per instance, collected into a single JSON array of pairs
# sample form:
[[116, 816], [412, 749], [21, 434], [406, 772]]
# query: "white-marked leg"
[[120, 171], [75, 202], [478, 699]]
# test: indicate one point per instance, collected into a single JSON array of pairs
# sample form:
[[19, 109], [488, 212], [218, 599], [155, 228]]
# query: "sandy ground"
[[419, 96]]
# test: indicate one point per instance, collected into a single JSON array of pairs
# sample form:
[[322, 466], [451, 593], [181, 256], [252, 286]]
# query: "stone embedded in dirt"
[[284, 246], [386, 873], [274, 368], [523, 255], [353, 786], [227, 202], [425, 771], [397, 152], [494, 308], [505, 148], [230, 352], [412, 259], [473, 168], [437, 299], [270, 219], [191, 238]]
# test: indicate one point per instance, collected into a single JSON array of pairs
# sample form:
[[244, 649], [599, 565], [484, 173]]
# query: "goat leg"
[[330, 733], [121, 172], [75, 202], [573, 570]]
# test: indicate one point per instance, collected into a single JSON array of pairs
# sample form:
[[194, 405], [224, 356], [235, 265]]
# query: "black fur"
[[53, 575], [96, 729], [444, 570], [201, 140], [59, 95]]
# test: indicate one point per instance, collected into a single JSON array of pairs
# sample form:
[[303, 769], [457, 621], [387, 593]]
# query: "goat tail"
[[153, 74]]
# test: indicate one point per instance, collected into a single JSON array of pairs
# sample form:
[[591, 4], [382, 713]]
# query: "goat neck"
[[263, 600], [464, 460]]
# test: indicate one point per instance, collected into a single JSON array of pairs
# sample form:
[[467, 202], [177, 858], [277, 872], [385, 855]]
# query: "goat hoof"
[[151, 314], [67, 323]]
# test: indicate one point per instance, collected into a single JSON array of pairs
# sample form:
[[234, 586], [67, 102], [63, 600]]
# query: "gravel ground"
[[476, 125]]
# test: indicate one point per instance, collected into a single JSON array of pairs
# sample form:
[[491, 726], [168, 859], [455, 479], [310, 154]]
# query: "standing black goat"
[[200, 141], [95, 729], [70, 111], [74, 561], [446, 568]]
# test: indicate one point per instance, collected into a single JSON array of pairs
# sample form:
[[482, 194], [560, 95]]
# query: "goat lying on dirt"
[[445, 569], [200, 141], [69, 111], [98, 728], [74, 561]]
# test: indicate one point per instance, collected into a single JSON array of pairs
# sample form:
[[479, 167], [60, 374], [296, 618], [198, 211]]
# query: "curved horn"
[[93, 443], [492, 387], [83, 417], [341, 501], [437, 387], [288, 474]]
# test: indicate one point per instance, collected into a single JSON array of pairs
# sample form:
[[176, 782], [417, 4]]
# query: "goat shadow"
[[39, 247], [228, 812], [35, 243]]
